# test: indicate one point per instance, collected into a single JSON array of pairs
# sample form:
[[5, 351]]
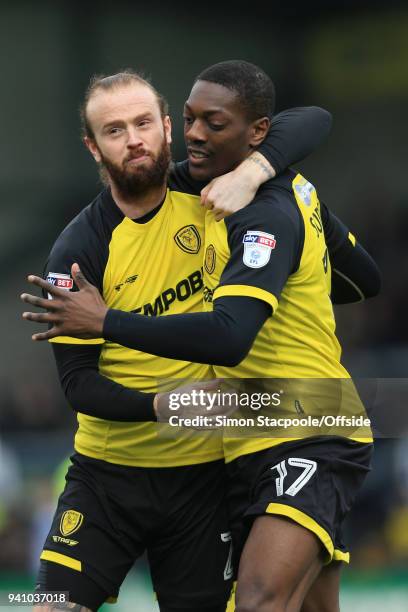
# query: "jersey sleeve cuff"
[[246, 291], [69, 340]]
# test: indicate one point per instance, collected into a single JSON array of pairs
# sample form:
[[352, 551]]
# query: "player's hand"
[[234, 190], [79, 314], [197, 399]]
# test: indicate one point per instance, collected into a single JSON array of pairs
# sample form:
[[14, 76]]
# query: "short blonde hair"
[[108, 82]]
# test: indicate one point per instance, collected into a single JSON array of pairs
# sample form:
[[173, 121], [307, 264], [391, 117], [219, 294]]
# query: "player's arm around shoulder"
[[293, 134]]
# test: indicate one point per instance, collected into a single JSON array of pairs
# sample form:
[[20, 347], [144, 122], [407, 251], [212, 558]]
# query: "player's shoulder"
[[85, 241], [277, 191], [180, 179], [274, 201], [90, 229]]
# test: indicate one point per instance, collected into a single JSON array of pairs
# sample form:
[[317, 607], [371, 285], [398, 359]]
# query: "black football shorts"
[[108, 515], [312, 481]]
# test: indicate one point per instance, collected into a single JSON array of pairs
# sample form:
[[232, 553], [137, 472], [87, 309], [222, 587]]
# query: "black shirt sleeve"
[[265, 242], [221, 337], [355, 275], [83, 242], [86, 241], [90, 393], [294, 134]]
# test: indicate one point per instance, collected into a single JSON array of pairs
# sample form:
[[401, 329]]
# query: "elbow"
[[325, 117], [73, 395], [73, 401], [374, 286]]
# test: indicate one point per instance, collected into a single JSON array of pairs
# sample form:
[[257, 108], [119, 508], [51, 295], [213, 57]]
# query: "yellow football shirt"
[[275, 250], [153, 268]]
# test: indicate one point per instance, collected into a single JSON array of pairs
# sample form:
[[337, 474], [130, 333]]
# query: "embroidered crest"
[[71, 521], [210, 259], [188, 239]]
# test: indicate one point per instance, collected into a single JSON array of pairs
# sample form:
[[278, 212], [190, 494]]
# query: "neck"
[[140, 205]]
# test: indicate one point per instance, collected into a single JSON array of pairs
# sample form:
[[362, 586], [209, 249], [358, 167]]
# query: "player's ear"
[[93, 148], [167, 128], [259, 130]]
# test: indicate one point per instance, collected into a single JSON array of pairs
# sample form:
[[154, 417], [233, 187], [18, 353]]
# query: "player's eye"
[[114, 131], [216, 127], [188, 120], [144, 123]]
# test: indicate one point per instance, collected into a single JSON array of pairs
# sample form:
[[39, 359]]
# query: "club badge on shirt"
[[257, 248]]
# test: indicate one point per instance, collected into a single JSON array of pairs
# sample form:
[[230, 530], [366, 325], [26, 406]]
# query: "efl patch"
[[257, 248], [63, 281], [304, 191]]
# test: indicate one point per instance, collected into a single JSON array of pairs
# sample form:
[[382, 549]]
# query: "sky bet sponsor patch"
[[63, 281], [257, 248]]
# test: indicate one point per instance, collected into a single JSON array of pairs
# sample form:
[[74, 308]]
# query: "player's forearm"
[[198, 337], [91, 393], [221, 337], [97, 396], [256, 169], [294, 134]]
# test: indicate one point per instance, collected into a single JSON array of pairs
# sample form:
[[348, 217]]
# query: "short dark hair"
[[254, 88], [108, 82]]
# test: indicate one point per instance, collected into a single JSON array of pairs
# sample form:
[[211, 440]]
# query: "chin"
[[200, 174]]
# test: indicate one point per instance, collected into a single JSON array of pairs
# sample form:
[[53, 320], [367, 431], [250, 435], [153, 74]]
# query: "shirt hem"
[[183, 461]]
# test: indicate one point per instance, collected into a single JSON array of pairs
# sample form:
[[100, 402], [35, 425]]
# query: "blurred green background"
[[349, 57]]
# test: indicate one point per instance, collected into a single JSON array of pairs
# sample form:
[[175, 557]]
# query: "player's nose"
[[134, 139], [195, 132]]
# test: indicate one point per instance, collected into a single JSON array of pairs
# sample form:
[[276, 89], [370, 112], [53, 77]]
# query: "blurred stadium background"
[[350, 57]]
